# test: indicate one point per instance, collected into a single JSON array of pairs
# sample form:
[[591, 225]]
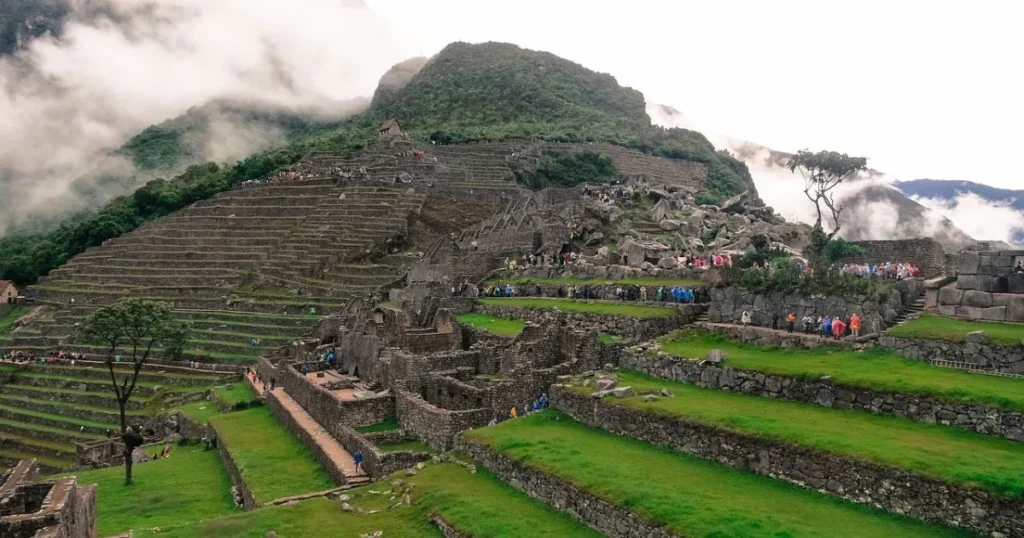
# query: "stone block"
[[969, 312], [976, 337], [1015, 284], [1002, 262], [715, 356], [968, 263], [977, 298], [994, 313], [1001, 299], [1015, 309], [948, 310], [967, 282]]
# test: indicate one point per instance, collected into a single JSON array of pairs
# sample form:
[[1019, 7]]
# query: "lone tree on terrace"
[[136, 326], [823, 172]]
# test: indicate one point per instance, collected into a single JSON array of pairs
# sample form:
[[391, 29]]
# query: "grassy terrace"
[[388, 425], [189, 486], [954, 330], [875, 369], [937, 451], [648, 281], [492, 324], [691, 497], [273, 463], [477, 504], [10, 318], [203, 410], [586, 307], [411, 446]]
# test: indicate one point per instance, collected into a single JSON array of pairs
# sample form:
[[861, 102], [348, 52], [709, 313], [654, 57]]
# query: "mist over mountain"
[[981, 210]]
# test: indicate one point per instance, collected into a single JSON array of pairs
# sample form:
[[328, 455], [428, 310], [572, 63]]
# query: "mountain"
[[983, 210], [21, 21], [950, 190]]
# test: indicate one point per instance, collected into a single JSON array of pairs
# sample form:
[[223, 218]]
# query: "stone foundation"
[[976, 418], [436, 426], [1003, 359], [58, 509], [894, 490]]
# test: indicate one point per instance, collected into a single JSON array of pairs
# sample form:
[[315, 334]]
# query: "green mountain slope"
[[466, 92]]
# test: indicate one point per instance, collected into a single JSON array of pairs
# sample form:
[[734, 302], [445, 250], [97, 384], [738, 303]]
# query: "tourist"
[[512, 412], [643, 294], [855, 324], [827, 326], [791, 320], [745, 318], [358, 458], [494, 420], [304, 369], [809, 324], [838, 327], [775, 321], [273, 383], [1019, 268]]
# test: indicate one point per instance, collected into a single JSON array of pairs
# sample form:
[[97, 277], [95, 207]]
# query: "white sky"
[[923, 89]]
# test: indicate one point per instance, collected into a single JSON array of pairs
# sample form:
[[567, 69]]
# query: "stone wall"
[[60, 509], [854, 480], [321, 404], [237, 482], [926, 253], [977, 418], [282, 415], [584, 506], [728, 305], [610, 272], [986, 287], [435, 426], [377, 464], [954, 301], [973, 354], [641, 329]]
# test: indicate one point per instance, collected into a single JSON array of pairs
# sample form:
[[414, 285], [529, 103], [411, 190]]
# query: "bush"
[[558, 170]]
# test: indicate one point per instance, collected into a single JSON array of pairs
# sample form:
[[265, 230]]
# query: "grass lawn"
[[199, 412], [875, 369], [586, 307], [648, 281], [387, 425], [236, 393], [938, 451], [272, 461], [10, 318], [478, 504], [189, 486], [492, 324], [692, 497], [609, 338], [954, 330]]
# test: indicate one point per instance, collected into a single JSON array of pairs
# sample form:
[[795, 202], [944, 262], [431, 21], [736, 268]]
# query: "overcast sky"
[[923, 89]]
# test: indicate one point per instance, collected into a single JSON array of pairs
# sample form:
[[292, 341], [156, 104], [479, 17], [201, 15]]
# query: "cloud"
[[981, 218], [123, 65]]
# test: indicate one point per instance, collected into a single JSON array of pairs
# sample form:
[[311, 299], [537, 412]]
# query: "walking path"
[[327, 443], [812, 338]]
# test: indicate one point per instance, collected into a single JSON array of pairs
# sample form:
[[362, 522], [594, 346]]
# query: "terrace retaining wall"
[[976, 355], [823, 392], [640, 328], [282, 415], [561, 495], [435, 426], [377, 464], [891, 489], [248, 501], [321, 404]]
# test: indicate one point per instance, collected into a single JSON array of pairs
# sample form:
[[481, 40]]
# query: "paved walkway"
[[813, 338], [330, 446]]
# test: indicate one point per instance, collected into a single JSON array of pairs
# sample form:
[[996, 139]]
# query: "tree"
[[823, 172], [135, 326]]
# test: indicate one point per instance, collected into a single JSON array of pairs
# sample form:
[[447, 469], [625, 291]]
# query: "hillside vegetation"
[[466, 92]]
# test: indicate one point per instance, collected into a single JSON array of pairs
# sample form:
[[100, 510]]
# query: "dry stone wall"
[[237, 482], [977, 418], [584, 506], [642, 329], [282, 415], [986, 287], [377, 464], [925, 253], [971, 354], [891, 489], [435, 426]]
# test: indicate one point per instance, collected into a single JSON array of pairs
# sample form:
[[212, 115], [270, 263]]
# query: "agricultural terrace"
[[933, 327], [691, 497], [648, 281], [477, 504], [932, 450], [608, 308], [189, 486], [7, 321], [273, 463], [875, 369], [235, 396], [492, 324]]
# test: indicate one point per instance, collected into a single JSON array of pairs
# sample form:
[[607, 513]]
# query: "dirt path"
[[330, 446]]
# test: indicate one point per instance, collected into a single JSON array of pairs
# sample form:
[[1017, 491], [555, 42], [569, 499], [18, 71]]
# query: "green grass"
[[492, 324], [933, 450], [609, 338], [478, 504], [14, 315], [954, 330], [875, 369], [410, 445], [648, 281], [585, 307], [68, 419], [387, 425], [236, 393], [692, 497], [189, 486], [273, 463], [199, 412]]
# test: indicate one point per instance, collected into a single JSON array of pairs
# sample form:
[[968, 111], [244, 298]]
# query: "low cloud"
[[122, 65]]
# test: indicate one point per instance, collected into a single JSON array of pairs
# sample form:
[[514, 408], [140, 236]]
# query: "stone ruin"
[[30, 507], [985, 288]]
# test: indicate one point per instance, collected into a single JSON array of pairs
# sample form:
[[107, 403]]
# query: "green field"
[[492, 324], [954, 330], [189, 486], [586, 307], [477, 504], [875, 369], [648, 281], [10, 318], [690, 496], [933, 450], [236, 393], [386, 425], [273, 463], [414, 445]]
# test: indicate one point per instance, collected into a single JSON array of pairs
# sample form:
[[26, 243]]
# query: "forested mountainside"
[[23, 20], [949, 190]]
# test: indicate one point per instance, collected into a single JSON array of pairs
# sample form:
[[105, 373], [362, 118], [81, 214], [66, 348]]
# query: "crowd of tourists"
[[832, 327], [882, 271], [665, 294], [53, 357], [539, 404]]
